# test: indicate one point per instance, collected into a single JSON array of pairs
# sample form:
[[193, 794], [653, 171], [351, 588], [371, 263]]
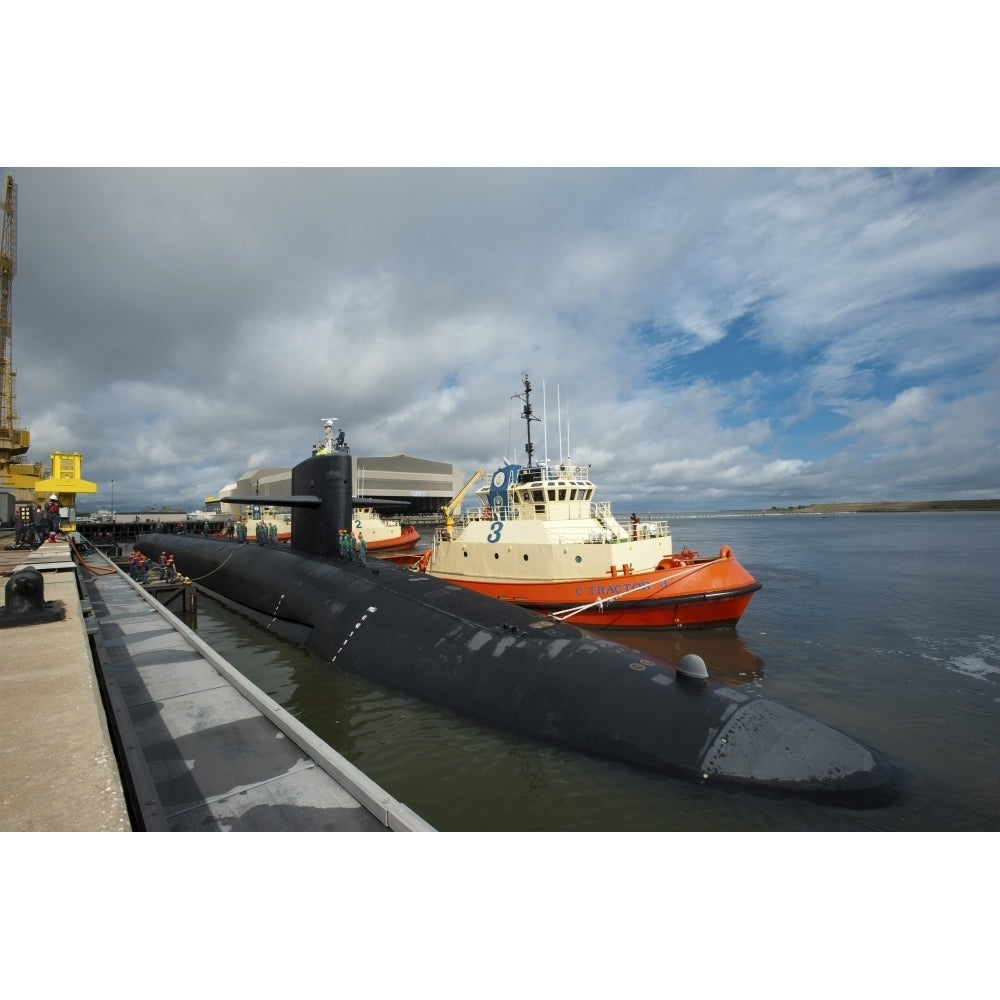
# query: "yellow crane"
[[456, 503], [22, 479]]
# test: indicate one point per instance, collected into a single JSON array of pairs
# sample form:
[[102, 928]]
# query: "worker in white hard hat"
[[52, 516]]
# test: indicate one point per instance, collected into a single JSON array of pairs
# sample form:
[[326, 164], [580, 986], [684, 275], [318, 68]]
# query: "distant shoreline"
[[887, 507]]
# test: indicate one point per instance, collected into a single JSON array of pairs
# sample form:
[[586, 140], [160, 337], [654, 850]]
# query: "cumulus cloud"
[[717, 338]]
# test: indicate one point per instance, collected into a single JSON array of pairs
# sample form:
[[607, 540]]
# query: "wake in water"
[[981, 662]]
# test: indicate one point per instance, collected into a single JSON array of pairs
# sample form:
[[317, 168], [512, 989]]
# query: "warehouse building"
[[423, 484]]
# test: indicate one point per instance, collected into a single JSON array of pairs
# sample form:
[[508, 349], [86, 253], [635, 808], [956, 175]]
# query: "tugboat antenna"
[[528, 417], [545, 427], [559, 423]]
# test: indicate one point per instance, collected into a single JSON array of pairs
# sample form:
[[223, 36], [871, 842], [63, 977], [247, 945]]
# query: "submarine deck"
[[121, 681]]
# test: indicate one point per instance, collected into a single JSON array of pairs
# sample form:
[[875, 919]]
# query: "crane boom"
[[13, 440], [452, 508]]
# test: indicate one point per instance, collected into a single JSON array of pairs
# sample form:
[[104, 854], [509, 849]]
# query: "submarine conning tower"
[[315, 529], [321, 503]]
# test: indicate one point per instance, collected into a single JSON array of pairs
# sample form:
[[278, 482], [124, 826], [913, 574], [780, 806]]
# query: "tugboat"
[[381, 532], [539, 539]]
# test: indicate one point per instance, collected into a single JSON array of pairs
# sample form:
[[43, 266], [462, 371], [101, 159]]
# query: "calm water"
[[882, 625]]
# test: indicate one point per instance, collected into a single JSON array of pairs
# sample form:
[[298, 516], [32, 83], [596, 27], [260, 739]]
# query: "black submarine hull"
[[509, 667]]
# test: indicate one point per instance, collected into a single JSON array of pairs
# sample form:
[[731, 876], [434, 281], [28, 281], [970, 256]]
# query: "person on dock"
[[137, 568], [52, 516]]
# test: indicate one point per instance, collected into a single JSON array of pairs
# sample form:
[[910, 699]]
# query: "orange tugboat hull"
[[705, 593], [409, 537]]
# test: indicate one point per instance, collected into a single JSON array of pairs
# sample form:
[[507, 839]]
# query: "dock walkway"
[[58, 770], [201, 748]]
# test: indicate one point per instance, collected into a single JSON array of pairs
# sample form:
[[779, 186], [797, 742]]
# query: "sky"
[[796, 326], [702, 338]]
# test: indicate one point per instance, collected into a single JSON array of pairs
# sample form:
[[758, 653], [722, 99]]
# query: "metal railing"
[[608, 528]]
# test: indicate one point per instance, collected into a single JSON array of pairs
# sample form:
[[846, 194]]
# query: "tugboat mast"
[[528, 417]]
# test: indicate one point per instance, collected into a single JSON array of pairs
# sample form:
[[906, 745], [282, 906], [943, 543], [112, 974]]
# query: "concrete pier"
[[58, 769], [118, 717]]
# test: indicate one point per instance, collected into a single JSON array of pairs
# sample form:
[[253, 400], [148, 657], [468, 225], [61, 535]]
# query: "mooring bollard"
[[25, 600]]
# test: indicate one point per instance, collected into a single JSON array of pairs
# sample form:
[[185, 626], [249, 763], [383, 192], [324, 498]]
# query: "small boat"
[[537, 538], [381, 532], [268, 516]]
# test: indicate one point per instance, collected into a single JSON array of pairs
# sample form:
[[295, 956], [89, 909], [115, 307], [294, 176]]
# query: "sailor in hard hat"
[[52, 515]]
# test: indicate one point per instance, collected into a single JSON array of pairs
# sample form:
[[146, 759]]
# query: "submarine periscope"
[[509, 667]]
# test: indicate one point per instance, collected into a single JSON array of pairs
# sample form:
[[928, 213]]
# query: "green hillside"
[[887, 506]]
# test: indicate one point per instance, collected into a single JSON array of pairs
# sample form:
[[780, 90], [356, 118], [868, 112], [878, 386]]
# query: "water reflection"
[[725, 653]]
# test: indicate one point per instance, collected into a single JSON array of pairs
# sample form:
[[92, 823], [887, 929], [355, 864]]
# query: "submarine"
[[510, 667]]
